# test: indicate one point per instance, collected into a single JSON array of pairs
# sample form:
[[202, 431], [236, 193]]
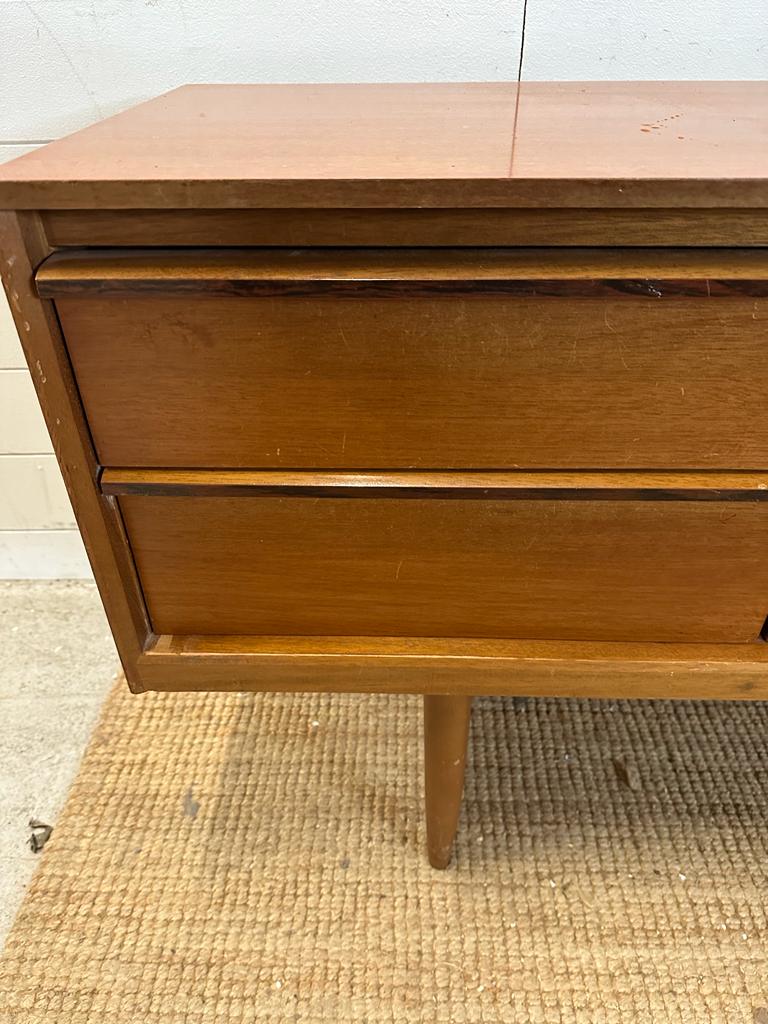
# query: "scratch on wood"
[[344, 338]]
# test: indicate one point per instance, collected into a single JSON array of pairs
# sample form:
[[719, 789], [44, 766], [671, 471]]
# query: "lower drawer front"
[[466, 567]]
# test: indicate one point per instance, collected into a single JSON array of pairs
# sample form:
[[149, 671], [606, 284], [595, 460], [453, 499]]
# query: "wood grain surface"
[[382, 227], [437, 567], [585, 144], [553, 668]]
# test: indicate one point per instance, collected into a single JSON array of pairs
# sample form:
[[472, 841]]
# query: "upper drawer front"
[[419, 358]]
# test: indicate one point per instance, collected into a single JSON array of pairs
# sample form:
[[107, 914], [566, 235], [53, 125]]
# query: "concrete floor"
[[57, 661]]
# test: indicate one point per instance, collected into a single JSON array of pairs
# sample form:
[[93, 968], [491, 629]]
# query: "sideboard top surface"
[[557, 144]]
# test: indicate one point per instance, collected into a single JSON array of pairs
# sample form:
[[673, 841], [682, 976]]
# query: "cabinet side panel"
[[23, 246]]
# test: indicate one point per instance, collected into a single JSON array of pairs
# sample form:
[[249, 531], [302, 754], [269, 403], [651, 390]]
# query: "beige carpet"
[[261, 858]]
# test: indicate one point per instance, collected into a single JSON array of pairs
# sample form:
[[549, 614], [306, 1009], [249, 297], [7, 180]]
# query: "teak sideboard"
[[445, 389]]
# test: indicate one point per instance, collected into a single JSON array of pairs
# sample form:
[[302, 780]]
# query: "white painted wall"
[[66, 63]]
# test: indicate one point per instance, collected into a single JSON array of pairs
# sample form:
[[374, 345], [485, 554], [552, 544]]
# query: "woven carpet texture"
[[248, 858]]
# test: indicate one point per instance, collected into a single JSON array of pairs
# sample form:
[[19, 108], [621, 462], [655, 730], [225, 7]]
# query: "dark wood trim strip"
[[485, 486], [588, 272], [412, 288]]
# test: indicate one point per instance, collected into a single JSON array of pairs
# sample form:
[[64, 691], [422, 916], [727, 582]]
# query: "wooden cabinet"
[[349, 392]]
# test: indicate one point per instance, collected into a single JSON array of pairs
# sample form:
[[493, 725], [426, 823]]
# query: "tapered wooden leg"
[[446, 730]]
